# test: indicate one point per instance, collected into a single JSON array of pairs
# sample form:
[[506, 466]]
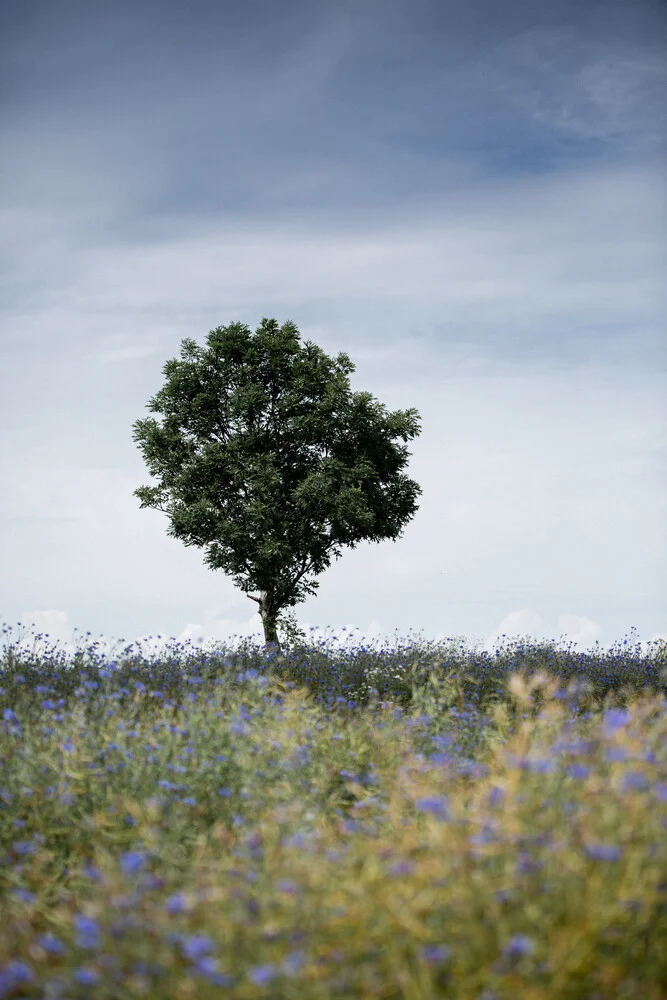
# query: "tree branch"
[[306, 565]]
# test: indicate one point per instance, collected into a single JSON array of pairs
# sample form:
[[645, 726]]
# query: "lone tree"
[[268, 459]]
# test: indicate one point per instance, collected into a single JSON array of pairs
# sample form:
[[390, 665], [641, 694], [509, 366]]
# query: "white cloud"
[[585, 86], [482, 234], [57, 634]]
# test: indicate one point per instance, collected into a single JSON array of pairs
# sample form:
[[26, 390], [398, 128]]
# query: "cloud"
[[469, 202], [554, 265], [589, 87], [52, 631]]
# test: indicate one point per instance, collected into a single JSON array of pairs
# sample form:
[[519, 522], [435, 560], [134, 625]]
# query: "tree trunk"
[[268, 613]]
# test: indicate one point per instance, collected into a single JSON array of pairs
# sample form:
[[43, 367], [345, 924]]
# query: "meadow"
[[417, 822]]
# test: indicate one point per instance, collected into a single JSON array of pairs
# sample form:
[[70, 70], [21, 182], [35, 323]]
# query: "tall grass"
[[415, 822]]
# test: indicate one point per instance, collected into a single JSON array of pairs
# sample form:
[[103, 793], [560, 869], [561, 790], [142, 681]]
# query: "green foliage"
[[267, 460], [289, 630]]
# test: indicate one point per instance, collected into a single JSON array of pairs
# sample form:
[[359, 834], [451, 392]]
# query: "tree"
[[266, 458]]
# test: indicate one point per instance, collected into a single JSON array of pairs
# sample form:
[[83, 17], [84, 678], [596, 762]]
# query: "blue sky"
[[467, 198]]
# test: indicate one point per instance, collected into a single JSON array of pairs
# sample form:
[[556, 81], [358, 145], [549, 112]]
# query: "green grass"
[[415, 822]]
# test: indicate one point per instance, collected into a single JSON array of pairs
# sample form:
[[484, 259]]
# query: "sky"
[[468, 198]]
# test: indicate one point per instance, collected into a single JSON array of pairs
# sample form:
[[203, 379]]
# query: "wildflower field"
[[414, 823]]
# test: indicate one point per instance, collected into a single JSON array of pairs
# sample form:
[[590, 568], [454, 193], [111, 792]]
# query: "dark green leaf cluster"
[[266, 458]]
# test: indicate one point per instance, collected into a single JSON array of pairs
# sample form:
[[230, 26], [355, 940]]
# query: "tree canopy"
[[268, 460]]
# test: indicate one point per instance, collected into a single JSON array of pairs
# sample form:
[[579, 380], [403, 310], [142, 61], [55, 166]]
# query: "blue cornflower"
[[615, 718], [635, 779], [51, 944], [438, 805], [87, 977], [436, 953], [261, 975], [15, 972], [287, 885], [24, 847], [91, 872], [208, 967], [25, 895], [519, 945], [603, 852], [132, 862], [196, 947], [177, 903], [402, 868], [540, 766], [88, 932], [496, 796]]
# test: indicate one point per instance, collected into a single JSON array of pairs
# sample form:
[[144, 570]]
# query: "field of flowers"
[[417, 823]]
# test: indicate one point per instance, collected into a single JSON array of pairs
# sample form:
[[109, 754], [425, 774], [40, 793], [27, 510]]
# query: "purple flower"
[[176, 903], [297, 840], [436, 953], [402, 868], [496, 796], [519, 945], [287, 885], [87, 977], [196, 947], [132, 862], [438, 805], [503, 895], [540, 766], [51, 944], [263, 974], [23, 847], [91, 872], [25, 895], [208, 967], [615, 718], [603, 852], [635, 779], [15, 972], [88, 932]]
